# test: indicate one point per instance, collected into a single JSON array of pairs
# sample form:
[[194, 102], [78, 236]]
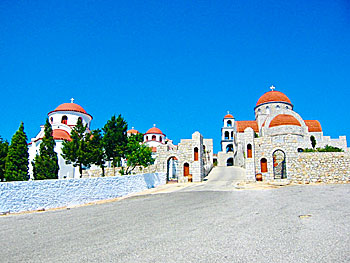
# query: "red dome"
[[284, 119], [273, 96], [154, 130], [70, 107], [133, 131], [313, 125], [59, 134], [228, 116]]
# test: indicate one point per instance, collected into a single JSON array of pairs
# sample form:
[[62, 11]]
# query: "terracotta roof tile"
[[242, 125]]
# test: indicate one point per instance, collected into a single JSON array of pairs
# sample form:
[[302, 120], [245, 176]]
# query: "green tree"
[[45, 165], [75, 151], [115, 139], [3, 153], [16, 167], [96, 151], [313, 141], [138, 154]]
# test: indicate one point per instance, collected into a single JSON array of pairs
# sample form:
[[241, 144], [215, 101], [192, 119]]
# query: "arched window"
[[232, 135], [154, 138], [64, 119], [51, 119], [229, 162], [227, 134], [81, 119], [229, 123], [263, 165], [160, 138], [229, 148], [267, 110], [196, 154], [278, 107], [249, 151]]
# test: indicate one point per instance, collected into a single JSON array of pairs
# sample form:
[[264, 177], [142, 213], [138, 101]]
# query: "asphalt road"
[[289, 224]]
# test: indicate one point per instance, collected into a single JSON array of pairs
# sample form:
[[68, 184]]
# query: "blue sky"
[[179, 64]]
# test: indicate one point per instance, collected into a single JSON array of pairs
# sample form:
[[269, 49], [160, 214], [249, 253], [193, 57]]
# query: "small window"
[[249, 151], [263, 165], [267, 109], [160, 138], [278, 107], [231, 135], [196, 154], [154, 138], [51, 119], [64, 119], [81, 119], [227, 134], [229, 123]]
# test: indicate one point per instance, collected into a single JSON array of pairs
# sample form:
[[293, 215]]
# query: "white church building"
[[62, 120]]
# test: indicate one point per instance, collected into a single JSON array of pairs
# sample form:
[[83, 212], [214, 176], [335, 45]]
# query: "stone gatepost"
[[197, 170]]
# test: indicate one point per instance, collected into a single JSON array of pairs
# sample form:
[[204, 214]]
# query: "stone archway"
[[279, 164], [172, 169]]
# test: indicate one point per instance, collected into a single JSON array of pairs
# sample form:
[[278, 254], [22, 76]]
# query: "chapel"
[[62, 120], [276, 133]]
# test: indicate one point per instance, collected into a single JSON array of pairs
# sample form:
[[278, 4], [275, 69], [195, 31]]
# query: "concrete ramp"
[[220, 179]]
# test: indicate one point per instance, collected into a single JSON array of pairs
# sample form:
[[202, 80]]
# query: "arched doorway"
[[229, 148], [229, 162], [187, 172], [172, 169], [279, 164]]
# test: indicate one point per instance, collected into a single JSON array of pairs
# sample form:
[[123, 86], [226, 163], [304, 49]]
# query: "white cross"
[[272, 88], [154, 125], [71, 100], [228, 112]]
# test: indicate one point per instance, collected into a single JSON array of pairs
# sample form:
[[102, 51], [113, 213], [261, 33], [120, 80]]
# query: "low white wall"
[[35, 195]]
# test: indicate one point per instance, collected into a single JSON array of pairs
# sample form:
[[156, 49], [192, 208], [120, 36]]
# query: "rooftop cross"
[[71, 100], [154, 125], [272, 88], [228, 112]]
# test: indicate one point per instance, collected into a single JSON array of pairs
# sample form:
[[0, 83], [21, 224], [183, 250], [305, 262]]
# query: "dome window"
[[229, 123], [64, 119], [278, 107], [51, 120], [267, 110], [154, 138]]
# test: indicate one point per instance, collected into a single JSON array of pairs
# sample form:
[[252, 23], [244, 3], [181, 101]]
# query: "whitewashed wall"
[[34, 195]]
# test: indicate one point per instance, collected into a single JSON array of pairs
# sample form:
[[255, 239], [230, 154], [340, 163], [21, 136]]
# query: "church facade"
[[264, 145]]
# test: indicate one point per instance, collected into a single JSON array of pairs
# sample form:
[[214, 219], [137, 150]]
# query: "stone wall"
[[326, 167], [45, 194]]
